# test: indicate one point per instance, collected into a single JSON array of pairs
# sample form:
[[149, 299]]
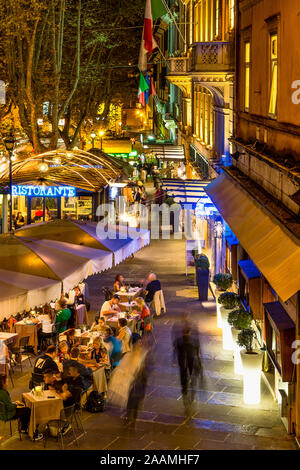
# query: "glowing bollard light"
[[252, 363], [227, 335], [238, 367], [219, 318]]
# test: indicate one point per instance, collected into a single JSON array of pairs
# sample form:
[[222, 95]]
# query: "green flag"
[[143, 84], [158, 9]]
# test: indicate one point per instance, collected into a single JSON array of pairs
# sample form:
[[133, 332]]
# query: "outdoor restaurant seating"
[[36, 379], [47, 407], [20, 350], [149, 321], [3, 412], [107, 293], [56, 427]]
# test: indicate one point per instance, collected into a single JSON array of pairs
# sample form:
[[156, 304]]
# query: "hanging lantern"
[[43, 167]]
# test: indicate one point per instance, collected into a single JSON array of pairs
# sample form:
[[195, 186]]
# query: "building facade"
[[258, 196], [237, 65], [203, 69]]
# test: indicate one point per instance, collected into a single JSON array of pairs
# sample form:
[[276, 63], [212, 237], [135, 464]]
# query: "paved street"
[[220, 421]]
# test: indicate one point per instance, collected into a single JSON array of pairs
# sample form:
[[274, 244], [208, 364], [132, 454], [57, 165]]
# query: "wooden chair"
[[3, 412]]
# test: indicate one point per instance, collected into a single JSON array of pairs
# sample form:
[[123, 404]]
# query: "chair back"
[[3, 411], [77, 393], [147, 320], [67, 412], [107, 293], [36, 378], [59, 325], [23, 343]]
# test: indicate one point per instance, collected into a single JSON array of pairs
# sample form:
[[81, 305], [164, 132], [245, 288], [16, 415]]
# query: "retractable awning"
[[274, 250], [168, 152], [185, 191]]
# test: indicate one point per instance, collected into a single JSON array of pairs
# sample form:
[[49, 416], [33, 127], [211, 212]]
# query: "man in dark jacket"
[[46, 362], [152, 287], [187, 349], [85, 372]]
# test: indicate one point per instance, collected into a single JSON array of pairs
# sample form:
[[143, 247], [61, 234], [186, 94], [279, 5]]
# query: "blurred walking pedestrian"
[[138, 388], [187, 349]]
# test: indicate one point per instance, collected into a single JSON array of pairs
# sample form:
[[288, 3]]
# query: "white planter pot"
[[238, 368], [252, 365], [219, 319], [227, 335]]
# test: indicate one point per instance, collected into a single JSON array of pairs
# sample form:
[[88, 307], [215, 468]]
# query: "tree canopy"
[[72, 55]]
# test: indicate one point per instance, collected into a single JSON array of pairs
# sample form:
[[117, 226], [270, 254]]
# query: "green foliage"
[[169, 200], [240, 319], [223, 281], [74, 54], [202, 262], [245, 339], [229, 300]]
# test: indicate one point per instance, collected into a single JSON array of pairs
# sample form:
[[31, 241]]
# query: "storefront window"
[[77, 207], [228, 259], [273, 75], [247, 75]]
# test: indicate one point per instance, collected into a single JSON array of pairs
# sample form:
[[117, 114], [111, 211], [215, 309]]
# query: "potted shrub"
[[252, 364], [228, 301], [202, 275], [222, 282], [239, 320]]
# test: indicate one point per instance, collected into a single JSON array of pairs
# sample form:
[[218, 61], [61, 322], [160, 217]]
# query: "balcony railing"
[[204, 57], [212, 56], [179, 65]]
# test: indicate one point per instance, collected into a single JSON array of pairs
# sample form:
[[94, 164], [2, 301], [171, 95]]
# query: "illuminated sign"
[[44, 191]]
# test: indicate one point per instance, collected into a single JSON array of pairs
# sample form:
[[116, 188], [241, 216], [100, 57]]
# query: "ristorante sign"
[[43, 191]]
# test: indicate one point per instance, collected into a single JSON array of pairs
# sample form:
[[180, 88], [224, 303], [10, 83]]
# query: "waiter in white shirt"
[[110, 307]]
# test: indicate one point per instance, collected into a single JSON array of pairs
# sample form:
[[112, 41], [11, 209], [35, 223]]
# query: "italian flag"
[[143, 87], [148, 41]]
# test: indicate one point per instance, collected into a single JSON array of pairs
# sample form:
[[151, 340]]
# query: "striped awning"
[[168, 152], [186, 191]]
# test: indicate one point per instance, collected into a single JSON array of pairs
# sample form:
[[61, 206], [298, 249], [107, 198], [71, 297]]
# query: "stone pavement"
[[220, 420]]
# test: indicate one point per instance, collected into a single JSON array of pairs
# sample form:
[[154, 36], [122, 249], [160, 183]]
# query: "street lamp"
[[101, 133], [93, 135], [9, 143]]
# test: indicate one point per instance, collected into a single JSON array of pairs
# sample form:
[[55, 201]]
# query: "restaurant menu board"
[[84, 207]]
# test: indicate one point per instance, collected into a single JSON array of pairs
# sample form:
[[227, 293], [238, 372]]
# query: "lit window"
[[247, 75], [273, 75], [217, 17], [231, 13]]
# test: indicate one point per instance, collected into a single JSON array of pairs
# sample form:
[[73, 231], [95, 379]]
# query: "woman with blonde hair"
[[99, 352]]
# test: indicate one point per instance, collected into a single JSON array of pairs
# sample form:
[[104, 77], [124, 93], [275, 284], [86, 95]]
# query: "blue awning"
[[249, 268]]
